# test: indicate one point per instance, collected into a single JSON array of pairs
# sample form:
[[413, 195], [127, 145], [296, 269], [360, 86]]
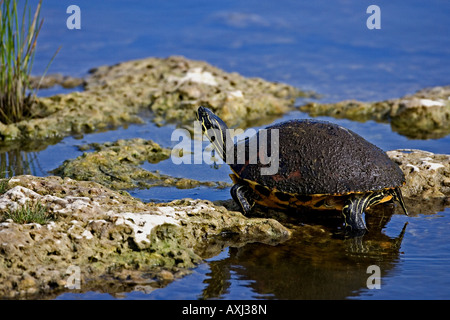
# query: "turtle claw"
[[240, 196], [397, 195]]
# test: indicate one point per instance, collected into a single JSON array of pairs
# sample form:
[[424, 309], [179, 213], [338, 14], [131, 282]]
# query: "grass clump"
[[30, 213], [3, 185], [18, 37]]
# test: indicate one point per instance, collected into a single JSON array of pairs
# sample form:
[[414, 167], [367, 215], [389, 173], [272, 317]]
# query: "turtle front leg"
[[356, 205], [241, 195]]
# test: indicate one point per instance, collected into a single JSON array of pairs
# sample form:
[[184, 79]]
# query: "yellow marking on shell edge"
[[330, 202], [386, 198]]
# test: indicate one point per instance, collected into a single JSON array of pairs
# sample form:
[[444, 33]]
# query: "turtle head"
[[209, 120], [215, 129]]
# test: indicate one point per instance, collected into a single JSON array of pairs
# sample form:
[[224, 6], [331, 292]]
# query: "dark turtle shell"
[[318, 157]]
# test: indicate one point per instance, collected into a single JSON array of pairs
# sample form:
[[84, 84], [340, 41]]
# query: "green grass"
[[3, 185], [29, 213], [18, 38]]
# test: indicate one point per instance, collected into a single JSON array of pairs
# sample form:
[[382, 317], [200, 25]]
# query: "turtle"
[[321, 165]]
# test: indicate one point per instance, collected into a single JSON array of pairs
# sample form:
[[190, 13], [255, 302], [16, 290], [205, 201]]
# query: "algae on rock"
[[117, 165], [110, 236], [423, 115], [175, 87], [172, 88]]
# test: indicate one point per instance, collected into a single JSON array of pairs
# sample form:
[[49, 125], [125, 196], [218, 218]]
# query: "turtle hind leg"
[[397, 196], [242, 196], [353, 214], [354, 208]]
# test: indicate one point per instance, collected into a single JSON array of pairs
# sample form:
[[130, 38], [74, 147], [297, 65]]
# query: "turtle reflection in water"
[[321, 166]]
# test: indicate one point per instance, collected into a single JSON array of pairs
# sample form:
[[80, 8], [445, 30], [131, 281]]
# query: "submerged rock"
[[108, 237], [51, 80], [423, 115], [117, 165], [171, 88]]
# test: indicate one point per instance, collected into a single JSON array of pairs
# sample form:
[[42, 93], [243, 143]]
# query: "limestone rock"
[[423, 115], [427, 174], [105, 233]]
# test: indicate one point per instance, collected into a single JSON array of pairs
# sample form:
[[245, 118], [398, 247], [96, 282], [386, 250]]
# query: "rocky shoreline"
[[423, 115], [171, 88], [114, 238], [111, 235], [116, 242]]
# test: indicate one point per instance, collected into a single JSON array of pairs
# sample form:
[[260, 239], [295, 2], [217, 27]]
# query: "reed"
[[18, 36]]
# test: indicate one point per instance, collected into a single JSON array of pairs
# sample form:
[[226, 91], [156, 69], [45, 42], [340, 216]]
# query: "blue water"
[[316, 45], [322, 46]]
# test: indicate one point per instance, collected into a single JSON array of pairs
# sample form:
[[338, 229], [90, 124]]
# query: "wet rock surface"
[[171, 88], [117, 165], [112, 238], [52, 80], [423, 115]]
